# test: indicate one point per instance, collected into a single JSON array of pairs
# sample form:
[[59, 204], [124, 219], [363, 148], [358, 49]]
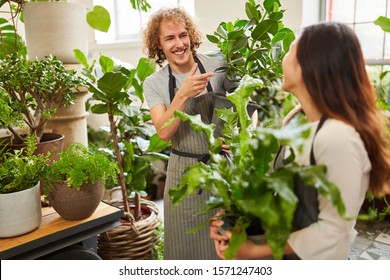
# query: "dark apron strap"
[[320, 124], [172, 79]]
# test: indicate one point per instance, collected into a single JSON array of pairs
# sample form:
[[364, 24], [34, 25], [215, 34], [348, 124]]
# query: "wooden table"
[[55, 233]]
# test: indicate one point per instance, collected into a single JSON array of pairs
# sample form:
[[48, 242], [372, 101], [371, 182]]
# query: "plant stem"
[[119, 162], [137, 212]]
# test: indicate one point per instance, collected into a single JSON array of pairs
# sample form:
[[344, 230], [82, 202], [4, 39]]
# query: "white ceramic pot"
[[55, 28], [20, 212]]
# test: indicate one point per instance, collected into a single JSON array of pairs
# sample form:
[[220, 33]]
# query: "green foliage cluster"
[[118, 92], [79, 165], [256, 46], [247, 187], [21, 169], [36, 89]]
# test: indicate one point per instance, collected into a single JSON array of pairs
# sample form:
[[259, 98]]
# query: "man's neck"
[[182, 69]]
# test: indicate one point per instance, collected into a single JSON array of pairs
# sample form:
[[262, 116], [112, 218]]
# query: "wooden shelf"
[[55, 233]]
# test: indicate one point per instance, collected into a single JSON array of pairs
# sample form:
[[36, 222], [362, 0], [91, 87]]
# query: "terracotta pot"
[[72, 204]]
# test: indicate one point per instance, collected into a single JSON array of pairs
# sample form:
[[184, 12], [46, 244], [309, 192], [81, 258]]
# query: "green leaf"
[[145, 68], [99, 18], [264, 27], [213, 39], [106, 63], [81, 58], [251, 12], [269, 5], [100, 109], [156, 144], [239, 43], [112, 83], [383, 22], [287, 41]]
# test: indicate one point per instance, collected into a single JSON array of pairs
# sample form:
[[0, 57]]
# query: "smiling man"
[[171, 39]]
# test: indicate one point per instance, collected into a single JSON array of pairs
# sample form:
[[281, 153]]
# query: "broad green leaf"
[[383, 22], [81, 58], [99, 18], [265, 27], [239, 43], [112, 83], [106, 63], [156, 144], [212, 39], [145, 68]]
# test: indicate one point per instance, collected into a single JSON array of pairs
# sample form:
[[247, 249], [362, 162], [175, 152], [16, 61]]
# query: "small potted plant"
[[20, 200], [36, 89], [75, 183]]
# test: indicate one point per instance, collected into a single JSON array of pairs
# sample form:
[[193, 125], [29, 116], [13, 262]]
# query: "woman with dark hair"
[[325, 70]]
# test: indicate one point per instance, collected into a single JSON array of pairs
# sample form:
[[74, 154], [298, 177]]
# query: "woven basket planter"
[[131, 241]]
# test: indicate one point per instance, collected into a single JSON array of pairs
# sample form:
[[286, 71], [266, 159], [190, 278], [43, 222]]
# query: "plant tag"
[[383, 238]]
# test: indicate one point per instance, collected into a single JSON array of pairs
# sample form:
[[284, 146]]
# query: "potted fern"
[[74, 184], [20, 200]]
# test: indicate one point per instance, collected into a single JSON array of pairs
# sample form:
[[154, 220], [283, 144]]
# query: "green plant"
[[79, 165], [247, 187], [36, 89], [21, 169], [256, 46], [135, 144]]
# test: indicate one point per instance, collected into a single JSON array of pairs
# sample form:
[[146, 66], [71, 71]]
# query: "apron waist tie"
[[201, 158]]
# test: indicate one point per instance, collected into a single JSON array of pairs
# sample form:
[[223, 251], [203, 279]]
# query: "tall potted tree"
[[135, 146]]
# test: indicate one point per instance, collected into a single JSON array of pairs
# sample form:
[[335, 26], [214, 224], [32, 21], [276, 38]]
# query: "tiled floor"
[[372, 241]]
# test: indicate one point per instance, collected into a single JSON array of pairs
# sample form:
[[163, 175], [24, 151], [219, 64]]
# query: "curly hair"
[[152, 31]]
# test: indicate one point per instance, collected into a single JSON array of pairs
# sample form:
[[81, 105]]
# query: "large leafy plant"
[[135, 145], [35, 89], [247, 187], [256, 46]]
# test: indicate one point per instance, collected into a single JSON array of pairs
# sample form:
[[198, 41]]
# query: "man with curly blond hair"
[[183, 83]]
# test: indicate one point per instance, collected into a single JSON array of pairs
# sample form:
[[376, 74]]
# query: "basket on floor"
[[131, 241]]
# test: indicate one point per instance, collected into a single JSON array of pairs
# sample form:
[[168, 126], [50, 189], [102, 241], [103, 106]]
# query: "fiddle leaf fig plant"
[[255, 46], [135, 144], [247, 187]]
